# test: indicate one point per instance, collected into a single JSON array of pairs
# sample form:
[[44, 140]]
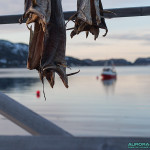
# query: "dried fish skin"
[[39, 13], [35, 47], [38, 10], [103, 23], [89, 18], [27, 5], [47, 46], [84, 12], [53, 57]]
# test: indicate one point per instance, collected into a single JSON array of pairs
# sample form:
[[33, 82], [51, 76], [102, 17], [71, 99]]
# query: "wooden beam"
[[27, 119], [129, 12], [70, 143], [120, 12]]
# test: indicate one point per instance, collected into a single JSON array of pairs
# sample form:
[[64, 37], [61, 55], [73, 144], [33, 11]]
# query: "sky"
[[128, 38]]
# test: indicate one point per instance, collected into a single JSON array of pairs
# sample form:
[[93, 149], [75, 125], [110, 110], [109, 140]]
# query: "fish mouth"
[[50, 76], [61, 71]]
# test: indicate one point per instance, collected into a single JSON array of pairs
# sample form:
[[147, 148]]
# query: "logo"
[[138, 145]]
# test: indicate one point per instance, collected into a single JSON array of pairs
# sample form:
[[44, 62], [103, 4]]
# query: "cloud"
[[146, 44], [87, 44], [9, 7], [131, 36]]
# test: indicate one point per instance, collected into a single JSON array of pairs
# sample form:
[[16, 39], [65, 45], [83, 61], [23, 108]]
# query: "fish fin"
[[61, 71], [73, 73], [73, 33], [51, 78], [109, 12], [71, 18], [41, 74], [87, 34], [70, 28], [43, 89], [105, 32]]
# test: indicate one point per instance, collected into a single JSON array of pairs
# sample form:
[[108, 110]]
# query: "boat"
[[109, 72]]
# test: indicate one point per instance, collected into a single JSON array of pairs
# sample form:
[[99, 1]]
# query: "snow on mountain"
[[15, 47], [13, 54]]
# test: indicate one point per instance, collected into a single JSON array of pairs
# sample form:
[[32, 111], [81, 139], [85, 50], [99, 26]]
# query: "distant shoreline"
[[14, 55], [117, 62], [76, 67]]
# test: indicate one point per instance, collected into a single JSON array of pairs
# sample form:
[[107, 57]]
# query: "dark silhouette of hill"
[[15, 55]]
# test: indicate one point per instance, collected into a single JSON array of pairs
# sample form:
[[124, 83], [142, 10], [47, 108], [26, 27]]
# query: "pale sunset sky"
[[127, 38]]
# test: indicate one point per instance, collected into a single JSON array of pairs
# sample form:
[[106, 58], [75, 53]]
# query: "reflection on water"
[[109, 85], [8, 84]]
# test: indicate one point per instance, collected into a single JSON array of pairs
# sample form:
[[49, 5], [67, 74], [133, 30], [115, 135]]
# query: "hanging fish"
[[89, 18], [47, 44]]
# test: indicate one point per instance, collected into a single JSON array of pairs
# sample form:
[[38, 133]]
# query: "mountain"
[[142, 61], [88, 62], [15, 55]]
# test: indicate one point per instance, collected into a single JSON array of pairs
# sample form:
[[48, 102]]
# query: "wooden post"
[[27, 119]]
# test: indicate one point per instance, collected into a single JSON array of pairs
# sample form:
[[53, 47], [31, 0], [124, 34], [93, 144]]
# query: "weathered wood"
[[120, 12], [68, 143], [27, 119], [129, 12], [10, 19]]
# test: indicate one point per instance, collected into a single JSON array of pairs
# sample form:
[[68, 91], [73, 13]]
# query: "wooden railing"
[[120, 12]]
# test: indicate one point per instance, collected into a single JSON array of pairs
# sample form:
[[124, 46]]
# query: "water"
[[90, 107]]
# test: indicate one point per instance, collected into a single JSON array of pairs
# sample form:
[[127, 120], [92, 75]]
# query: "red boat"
[[109, 72]]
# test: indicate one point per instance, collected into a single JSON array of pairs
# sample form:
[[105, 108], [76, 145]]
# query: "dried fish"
[[89, 18], [47, 44]]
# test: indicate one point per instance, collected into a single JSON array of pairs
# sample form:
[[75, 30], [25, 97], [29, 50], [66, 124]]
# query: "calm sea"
[[90, 107]]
